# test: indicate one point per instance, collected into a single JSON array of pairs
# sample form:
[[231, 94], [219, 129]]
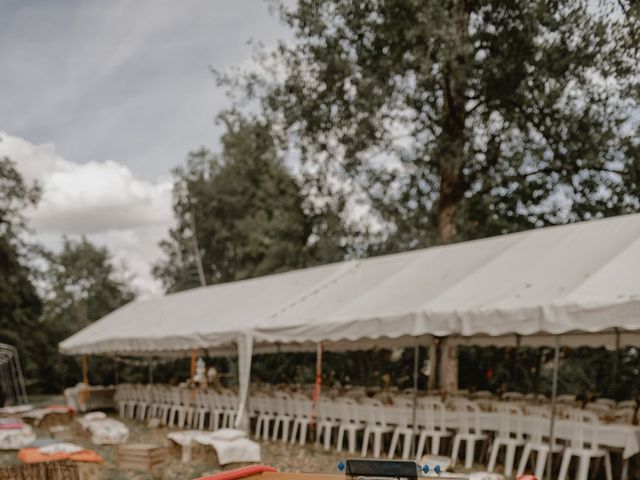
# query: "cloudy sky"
[[101, 99]]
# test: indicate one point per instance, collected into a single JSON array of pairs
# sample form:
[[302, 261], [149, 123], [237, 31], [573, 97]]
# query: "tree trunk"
[[451, 150], [448, 367]]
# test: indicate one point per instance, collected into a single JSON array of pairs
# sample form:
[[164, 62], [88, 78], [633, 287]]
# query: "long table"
[[617, 436]]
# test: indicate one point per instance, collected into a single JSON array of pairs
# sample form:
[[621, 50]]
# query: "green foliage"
[[340, 368], [81, 285], [20, 305], [585, 372], [244, 214], [463, 119]]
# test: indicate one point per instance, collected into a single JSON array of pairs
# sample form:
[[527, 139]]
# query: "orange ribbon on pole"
[[318, 384], [84, 395]]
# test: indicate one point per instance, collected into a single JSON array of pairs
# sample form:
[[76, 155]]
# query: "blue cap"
[[425, 468], [341, 466], [437, 469]]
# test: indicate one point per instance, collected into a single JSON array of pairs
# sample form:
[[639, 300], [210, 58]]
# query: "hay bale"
[[64, 470], [141, 456]]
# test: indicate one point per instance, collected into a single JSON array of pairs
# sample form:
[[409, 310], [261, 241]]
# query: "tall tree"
[[464, 118], [241, 214], [20, 305], [82, 284]]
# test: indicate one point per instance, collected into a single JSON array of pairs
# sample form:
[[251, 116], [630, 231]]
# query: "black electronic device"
[[365, 468]]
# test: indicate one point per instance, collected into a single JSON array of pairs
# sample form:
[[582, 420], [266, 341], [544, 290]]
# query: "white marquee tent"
[[572, 280]]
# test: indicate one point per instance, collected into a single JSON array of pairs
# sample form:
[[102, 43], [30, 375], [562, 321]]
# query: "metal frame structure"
[[12, 383]]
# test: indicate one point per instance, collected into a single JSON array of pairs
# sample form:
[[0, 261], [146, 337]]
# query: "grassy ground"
[[283, 456]]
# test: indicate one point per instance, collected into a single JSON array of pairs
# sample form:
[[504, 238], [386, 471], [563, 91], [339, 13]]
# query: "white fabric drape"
[[245, 351]]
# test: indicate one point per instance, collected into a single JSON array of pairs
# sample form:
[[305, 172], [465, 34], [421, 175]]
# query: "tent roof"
[[581, 277]]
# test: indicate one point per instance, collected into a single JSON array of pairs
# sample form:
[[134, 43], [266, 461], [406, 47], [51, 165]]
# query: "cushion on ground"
[[34, 455], [16, 438], [228, 434], [104, 430]]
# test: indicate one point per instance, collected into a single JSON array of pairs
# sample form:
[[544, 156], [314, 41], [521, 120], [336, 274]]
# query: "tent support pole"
[[554, 393], [616, 365], [84, 396], [317, 387], [150, 372], [416, 367], [193, 364]]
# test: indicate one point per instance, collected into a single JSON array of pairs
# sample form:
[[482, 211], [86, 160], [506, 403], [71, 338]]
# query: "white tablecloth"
[[100, 397], [624, 437], [228, 449]]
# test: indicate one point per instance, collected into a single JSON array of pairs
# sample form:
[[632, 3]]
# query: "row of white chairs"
[[177, 406], [287, 417], [350, 419]]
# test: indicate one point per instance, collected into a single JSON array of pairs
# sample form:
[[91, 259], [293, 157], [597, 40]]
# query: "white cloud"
[[124, 80], [102, 200]]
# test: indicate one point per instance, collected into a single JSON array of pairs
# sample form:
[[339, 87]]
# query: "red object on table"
[[238, 473], [527, 477]]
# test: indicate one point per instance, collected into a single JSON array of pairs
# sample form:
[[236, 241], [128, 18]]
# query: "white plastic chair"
[[375, 426], [469, 432], [431, 424], [350, 414], [509, 435], [484, 394], [137, 399], [157, 401], [536, 398], [326, 421], [284, 416], [265, 414], [201, 410], [143, 401], [228, 404], [512, 396], [584, 445], [600, 409], [163, 405], [131, 401], [403, 409], [609, 402], [122, 399], [178, 410], [624, 415], [566, 399], [537, 429], [301, 417]]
